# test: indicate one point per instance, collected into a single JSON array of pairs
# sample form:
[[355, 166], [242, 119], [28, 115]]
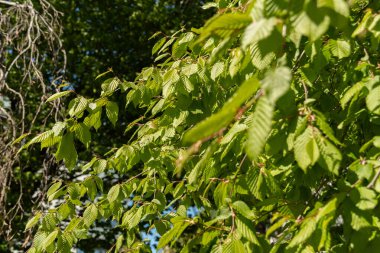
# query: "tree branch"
[[373, 182], [8, 3]]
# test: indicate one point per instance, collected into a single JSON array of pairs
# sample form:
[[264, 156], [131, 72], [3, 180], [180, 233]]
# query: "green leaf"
[[351, 92], [158, 45], [186, 38], [166, 45], [56, 194], [340, 7], [110, 85], [190, 69], [39, 138], [234, 130], [67, 152], [89, 164], [224, 25], [365, 199], [328, 209], [373, 99], [38, 240], [259, 128], [91, 187], [74, 190], [376, 141], [217, 248], [256, 183], [246, 228], [99, 166], [51, 141], [209, 5], [169, 79], [53, 188], [94, 118], [217, 70], [278, 224], [119, 243], [32, 250], [339, 48], [20, 138], [306, 149], [59, 127], [90, 215], [77, 106], [360, 29], [58, 95], [221, 193], [330, 156], [132, 218], [197, 171], [326, 129], [222, 118], [82, 132], [103, 74], [312, 22], [307, 229], [65, 210], [209, 236], [65, 242], [235, 65], [233, 245], [358, 221], [179, 50], [276, 83], [257, 31], [99, 183], [112, 111], [33, 221], [172, 234], [161, 57], [219, 51], [263, 53], [243, 209], [113, 193], [50, 239]]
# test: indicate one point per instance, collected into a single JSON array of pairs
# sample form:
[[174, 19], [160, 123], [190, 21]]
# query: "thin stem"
[[8, 3], [373, 182]]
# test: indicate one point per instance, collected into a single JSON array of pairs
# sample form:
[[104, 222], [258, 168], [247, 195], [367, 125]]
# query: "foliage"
[[45, 49], [115, 34], [279, 103]]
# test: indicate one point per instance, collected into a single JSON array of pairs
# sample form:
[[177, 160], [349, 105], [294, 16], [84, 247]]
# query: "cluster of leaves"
[[279, 102], [89, 32]]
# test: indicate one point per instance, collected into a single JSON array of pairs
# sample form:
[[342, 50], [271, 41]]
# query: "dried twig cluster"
[[32, 60]]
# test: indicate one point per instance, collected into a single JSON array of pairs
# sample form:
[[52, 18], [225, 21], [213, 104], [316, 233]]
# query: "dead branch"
[[31, 54]]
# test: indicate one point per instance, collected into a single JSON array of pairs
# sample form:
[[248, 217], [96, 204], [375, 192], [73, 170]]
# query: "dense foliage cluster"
[[264, 123], [47, 45]]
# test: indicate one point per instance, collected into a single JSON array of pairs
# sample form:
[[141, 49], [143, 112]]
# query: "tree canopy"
[[49, 45], [258, 132]]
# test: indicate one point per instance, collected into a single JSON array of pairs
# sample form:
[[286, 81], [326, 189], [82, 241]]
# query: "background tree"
[[115, 34]]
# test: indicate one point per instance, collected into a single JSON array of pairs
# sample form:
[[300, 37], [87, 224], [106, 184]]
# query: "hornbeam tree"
[[259, 132]]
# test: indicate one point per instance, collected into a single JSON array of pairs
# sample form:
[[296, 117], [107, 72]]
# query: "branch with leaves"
[[291, 92]]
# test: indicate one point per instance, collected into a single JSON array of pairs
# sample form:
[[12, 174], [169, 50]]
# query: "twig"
[[373, 182], [8, 3], [23, 29]]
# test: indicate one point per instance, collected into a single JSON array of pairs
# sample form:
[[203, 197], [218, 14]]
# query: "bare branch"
[[8, 3], [31, 54]]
